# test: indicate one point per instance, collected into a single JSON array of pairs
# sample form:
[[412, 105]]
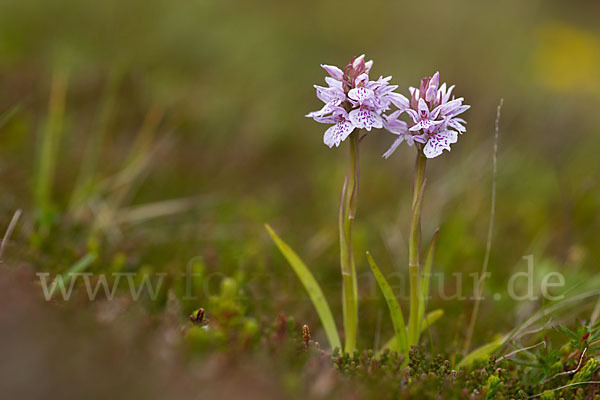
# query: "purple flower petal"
[[358, 61], [435, 80], [421, 138], [439, 142], [394, 125], [360, 94], [334, 71], [393, 147], [399, 101], [413, 115], [361, 80], [337, 133], [446, 94], [363, 118], [454, 123], [423, 109], [431, 93]]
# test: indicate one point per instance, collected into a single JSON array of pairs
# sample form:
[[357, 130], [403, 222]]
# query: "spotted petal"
[[360, 94], [327, 108], [413, 115], [439, 142], [457, 123], [363, 118], [423, 109], [338, 133], [362, 80], [425, 124]]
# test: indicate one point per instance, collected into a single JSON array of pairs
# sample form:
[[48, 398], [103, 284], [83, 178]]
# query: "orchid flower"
[[433, 115], [354, 101]]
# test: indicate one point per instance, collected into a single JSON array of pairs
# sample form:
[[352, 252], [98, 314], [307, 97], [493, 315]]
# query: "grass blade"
[[9, 231], [429, 320], [482, 353], [311, 286], [80, 266], [394, 307], [84, 185], [488, 245], [50, 141]]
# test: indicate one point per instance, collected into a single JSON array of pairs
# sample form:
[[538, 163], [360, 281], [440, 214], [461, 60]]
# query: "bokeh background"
[[201, 103]]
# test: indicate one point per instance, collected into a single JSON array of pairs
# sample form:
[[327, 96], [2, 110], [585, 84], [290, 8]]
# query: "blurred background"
[[156, 132]]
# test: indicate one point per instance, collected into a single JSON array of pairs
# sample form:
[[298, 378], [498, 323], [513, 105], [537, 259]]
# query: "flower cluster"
[[433, 115], [353, 101]]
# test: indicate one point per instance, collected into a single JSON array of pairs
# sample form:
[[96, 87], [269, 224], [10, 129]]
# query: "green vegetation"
[[149, 142]]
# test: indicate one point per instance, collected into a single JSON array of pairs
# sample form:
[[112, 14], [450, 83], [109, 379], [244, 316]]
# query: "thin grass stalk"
[[394, 308], [85, 180], [9, 231], [49, 143], [488, 246]]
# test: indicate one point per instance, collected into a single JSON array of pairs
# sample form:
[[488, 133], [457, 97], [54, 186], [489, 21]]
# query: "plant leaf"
[[394, 307], [311, 286], [429, 320], [80, 266], [482, 353]]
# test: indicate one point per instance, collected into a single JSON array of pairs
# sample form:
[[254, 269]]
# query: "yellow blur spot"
[[567, 59]]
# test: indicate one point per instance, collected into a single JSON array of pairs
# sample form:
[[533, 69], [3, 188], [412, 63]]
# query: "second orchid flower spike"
[[433, 118]]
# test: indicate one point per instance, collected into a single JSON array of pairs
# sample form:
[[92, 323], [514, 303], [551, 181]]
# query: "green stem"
[[414, 245], [347, 263], [50, 140]]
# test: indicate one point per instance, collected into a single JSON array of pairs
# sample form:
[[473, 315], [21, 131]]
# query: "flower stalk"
[[434, 126], [347, 262], [414, 242], [354, 102]]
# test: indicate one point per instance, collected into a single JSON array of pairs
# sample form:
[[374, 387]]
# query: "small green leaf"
[[80, 266], [429, 320], [394, 307], [482, 353], [311, 286]]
